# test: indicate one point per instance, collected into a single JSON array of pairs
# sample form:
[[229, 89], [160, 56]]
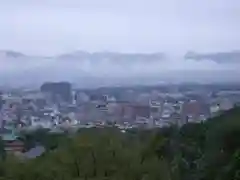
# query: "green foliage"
[[204, 151], [2, 150], [43, 137]]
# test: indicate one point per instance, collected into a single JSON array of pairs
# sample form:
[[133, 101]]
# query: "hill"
[[219, 57], [205, 151]]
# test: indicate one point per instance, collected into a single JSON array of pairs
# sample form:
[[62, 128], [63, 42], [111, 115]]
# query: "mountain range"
[[99, 67], [121, 57], [84, 55], [219, 57]]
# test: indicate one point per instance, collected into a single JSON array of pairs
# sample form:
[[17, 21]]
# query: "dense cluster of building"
[[59, 108], [56, 106]]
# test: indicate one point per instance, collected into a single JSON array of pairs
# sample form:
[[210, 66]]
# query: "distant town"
[[59, 108]]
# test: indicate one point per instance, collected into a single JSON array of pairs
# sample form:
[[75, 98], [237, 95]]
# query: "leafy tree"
[[204, 151], [2, 150]]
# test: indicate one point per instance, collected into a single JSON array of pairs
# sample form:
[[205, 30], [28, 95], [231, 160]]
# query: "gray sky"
[[56, 26]]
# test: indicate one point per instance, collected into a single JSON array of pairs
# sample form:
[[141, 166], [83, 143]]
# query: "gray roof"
[[34, 152]]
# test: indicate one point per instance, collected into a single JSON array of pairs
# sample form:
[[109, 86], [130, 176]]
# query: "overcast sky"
[[54, 26]]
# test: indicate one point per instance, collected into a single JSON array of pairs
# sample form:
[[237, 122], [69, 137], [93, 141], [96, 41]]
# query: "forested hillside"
[[206, 151]]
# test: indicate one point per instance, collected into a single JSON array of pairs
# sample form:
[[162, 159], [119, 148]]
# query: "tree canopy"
[[199, 151]]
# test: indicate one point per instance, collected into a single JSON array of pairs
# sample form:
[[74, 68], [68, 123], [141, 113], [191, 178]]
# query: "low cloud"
[[171, 68]]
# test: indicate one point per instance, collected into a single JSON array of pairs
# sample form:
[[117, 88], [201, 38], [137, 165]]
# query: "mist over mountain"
[[11, 54], [110, 68], [219, 57], [113, 56]]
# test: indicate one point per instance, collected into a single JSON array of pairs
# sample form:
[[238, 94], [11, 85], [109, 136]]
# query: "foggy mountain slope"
[[10, 54], [219, 57], [112, 57], [81, 63], [112, 68]]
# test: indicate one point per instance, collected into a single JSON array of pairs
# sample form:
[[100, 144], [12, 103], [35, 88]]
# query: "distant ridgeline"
[[221, 57], [1, 100]]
